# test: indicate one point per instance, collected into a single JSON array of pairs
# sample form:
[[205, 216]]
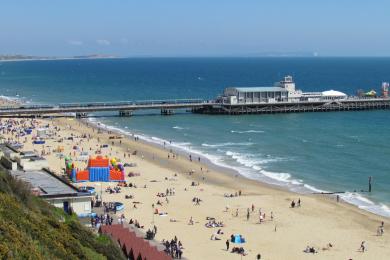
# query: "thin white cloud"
[[75, 42], [103, 42]]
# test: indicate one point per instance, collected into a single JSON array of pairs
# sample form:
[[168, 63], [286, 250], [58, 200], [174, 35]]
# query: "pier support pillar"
[[125, 113], [167, 112], [81, 115], [369, 183]]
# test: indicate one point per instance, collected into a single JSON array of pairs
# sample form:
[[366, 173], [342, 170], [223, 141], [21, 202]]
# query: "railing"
[[110, 104]]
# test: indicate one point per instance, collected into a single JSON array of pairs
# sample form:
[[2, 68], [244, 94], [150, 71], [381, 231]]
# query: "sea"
[[303, 152]]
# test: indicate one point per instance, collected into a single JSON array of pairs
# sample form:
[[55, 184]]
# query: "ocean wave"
[[313, 189], [179, 128], [251, 166], [279, 176], [364, 203], [227, 144], [253, 162], [247, 131]]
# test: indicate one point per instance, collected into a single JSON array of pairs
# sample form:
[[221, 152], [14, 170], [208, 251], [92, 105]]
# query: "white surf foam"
[[252, 167], [179, 128], [365, 203], [246, 132], [227, 144]]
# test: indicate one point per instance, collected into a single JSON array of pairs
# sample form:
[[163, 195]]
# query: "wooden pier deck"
[[168, 107]]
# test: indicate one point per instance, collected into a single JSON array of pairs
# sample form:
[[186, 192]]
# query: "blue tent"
[[238, 239]]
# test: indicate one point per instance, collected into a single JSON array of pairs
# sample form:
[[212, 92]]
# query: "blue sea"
[[305, 152]]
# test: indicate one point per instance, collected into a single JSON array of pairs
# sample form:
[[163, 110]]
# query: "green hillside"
[[30, 228]]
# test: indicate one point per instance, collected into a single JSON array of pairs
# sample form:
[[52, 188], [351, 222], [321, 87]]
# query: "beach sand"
[[318, 221]]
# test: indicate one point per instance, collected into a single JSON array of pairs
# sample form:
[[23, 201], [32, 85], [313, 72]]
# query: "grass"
[[30, 228]]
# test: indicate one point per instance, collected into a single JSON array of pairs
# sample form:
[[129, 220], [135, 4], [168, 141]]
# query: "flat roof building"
[[45, 183], [282, 91], [241, 95], [56, 191]]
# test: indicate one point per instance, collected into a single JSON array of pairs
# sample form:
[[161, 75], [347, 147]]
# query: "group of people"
[[103, 219], [231, 195], [239, 250], [113, 190], [213, 223], [109, 206], [297, 204], [151, 233], [174, 248], [135, 223], [196, 200]]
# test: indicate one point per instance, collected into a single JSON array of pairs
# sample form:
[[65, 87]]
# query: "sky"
[[173, 28]]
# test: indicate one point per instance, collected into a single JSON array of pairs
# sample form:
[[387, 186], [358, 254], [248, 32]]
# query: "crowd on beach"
[[13, 129], [174, 248]]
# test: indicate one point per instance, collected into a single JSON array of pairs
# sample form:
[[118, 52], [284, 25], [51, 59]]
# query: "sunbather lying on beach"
[[309, 249]]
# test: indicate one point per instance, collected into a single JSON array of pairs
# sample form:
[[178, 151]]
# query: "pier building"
[[283, 91], [282, 97]]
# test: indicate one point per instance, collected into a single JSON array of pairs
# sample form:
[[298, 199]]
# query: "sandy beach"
[[318, 221]]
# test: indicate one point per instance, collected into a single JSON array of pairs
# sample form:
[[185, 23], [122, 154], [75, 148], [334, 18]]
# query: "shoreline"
[[226, 169], [298, 189], [327, 207], [318, 221]]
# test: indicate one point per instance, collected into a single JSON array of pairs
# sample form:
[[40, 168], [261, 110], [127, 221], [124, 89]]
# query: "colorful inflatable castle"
[[99, 169], [69, 167]]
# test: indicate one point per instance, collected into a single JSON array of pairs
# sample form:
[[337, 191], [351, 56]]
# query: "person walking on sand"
[[227, 245], [247, 214], [363, 246]]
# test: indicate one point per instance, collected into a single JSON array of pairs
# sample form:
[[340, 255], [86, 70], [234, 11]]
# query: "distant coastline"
[[9, 58]]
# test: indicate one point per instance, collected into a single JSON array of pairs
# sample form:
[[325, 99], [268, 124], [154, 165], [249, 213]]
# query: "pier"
[[200, 106], [350, 104], [123, 108]]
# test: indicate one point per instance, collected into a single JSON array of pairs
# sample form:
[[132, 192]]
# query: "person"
[[381, 230], [293, 204], [299, 202], [227, 245], [261, 219], [247, 215], [363, 246], [258, 257], [155, 229]]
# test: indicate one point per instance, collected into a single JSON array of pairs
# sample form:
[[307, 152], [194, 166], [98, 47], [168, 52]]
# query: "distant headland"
[[20, 57]]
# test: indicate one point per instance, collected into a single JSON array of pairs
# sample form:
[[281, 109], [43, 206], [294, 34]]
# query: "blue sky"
[[195, 28]]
